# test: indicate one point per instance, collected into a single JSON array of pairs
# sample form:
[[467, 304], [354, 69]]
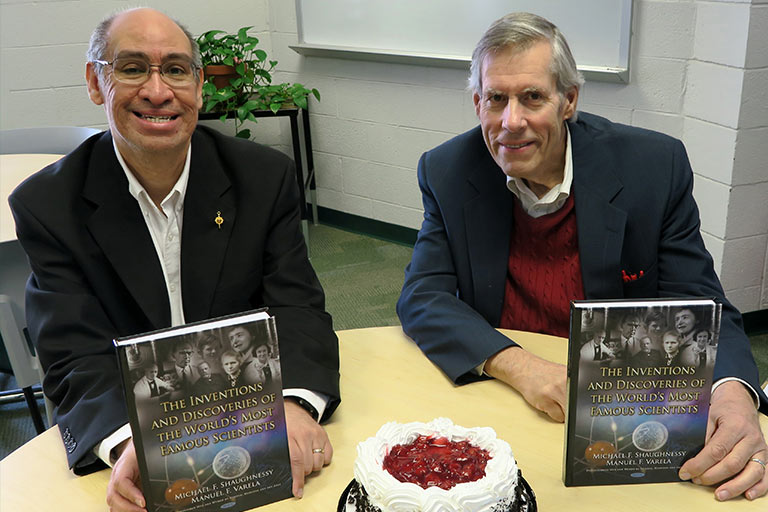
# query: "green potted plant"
[[238, 78]]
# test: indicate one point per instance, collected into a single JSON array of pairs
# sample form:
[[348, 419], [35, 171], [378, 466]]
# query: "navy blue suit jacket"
[[634, 211], [96, 275]]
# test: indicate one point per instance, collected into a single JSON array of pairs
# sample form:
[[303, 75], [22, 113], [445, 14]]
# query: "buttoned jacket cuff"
[[318, 400]]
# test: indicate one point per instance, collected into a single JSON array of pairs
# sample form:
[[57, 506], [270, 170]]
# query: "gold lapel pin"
[[219, 220]]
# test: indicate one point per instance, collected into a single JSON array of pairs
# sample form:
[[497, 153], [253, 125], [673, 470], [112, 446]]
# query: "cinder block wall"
[[42, 56], [699, 73]]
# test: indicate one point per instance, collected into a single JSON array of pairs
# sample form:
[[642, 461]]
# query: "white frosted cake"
[[436, 466]]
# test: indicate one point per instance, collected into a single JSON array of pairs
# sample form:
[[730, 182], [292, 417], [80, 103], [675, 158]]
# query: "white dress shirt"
[[555, 198]]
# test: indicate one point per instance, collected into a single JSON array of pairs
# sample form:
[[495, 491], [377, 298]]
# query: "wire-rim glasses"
[[176, 72]]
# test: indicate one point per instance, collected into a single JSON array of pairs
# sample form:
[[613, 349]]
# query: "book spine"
[[571, 407], [133, 419]]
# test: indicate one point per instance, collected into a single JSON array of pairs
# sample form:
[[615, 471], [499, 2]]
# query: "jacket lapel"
[[209, 194], [600, 224], [488, 218], [118, 228]]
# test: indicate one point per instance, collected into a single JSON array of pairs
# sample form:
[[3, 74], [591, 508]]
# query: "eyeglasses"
[[136, 71]]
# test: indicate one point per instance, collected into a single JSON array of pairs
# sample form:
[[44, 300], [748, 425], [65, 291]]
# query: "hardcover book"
[[639, 382], [206, 411]]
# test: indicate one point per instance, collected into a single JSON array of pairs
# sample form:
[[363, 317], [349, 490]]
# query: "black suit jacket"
[[634, 211], [96, 275]]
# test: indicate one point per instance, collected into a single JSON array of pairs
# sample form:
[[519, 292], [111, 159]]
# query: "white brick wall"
[[699, 73], [42, 52]]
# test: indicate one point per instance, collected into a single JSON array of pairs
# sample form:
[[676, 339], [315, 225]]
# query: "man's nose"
[[155, 89], [514, 116]]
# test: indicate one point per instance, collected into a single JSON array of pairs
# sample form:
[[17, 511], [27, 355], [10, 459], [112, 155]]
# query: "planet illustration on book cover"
[[231, 462], [596, 453], [181, 492], [650, 436]]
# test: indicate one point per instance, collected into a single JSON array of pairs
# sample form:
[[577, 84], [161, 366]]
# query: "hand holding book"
[[305, 438], [734, 438], [123, 493]]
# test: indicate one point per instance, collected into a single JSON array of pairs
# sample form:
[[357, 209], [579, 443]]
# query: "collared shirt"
[[555, 198], [551, 202], [164, 224]]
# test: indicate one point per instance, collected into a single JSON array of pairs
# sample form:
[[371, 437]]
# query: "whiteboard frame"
[[592, 73]]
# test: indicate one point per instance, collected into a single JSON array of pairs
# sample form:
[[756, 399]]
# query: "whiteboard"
[[444, 32]]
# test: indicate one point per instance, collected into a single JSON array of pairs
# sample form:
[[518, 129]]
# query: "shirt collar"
[[557, 195], [138, 192]]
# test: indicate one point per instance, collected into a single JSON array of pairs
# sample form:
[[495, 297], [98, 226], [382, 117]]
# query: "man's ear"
[[570, 100], [476, 101], [200, 81], [92, 82]]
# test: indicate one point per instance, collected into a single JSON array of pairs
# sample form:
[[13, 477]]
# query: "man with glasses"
[[539, 206], [159, 222]]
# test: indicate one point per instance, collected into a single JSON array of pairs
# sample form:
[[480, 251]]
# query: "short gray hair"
[[97, 47], [522, 30]]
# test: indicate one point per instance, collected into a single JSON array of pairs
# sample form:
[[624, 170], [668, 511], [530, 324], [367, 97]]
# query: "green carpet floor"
[[361, 276]]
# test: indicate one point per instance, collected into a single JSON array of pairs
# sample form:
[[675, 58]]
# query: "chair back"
[[14, 272], [58, 140]]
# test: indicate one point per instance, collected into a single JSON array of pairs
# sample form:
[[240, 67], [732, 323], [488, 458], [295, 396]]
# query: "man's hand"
[[123, 493], [541, 382], [733, 439], [305, 440]]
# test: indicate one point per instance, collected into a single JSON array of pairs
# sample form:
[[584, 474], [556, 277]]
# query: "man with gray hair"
[[536, 207], [158, 222]]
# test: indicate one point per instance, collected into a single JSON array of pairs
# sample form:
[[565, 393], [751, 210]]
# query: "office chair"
[[14, 271], [57, 140], [14, 268]]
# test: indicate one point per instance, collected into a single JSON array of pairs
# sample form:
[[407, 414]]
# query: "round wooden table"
[[385, 377]]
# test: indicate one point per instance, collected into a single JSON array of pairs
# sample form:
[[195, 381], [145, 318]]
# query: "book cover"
[[206, 411], [639, 383]]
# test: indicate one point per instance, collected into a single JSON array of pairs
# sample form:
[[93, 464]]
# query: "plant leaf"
[[251, 105], [316, 94], [245, 133], [300, 101], [242, 34], [211, 35], [208, 89], [274, 107], [242, 113]]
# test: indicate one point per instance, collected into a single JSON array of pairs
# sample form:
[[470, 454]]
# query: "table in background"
[[386, 378], [13, 170]]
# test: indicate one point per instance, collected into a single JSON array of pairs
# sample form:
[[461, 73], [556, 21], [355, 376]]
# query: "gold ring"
[[753, 459], [322, 450]]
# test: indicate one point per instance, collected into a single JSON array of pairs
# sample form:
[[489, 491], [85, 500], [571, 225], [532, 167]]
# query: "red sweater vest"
[[543, 272]]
